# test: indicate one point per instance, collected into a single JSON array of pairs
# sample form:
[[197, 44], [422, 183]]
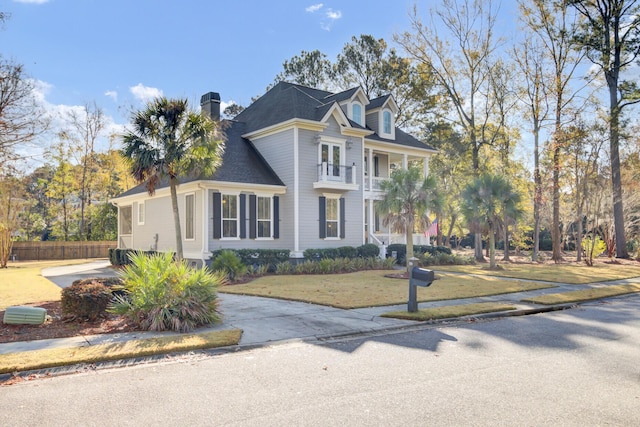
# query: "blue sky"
[[119, 53]]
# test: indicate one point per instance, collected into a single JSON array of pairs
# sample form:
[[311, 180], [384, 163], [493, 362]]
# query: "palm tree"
[[169, 140], [483, 201], [407, 199]]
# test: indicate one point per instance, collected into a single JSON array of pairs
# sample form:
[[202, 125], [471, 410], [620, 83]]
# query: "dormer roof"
[[381, 102]]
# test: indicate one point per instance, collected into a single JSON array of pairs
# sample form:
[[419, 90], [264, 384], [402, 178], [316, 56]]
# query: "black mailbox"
[[421, 277]]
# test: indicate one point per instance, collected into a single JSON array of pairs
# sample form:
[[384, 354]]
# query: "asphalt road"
[[575, 367]]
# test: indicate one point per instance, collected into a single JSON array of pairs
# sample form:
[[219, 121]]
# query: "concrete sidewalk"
[[268, 320]]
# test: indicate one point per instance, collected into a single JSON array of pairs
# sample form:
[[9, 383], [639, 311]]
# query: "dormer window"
[[386, 122], [356, 113]]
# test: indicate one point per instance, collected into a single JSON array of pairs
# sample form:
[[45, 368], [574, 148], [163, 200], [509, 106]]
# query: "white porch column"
[[370, 168], [405, 162], [425, 167]]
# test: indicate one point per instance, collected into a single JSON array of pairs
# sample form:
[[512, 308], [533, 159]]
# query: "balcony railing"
[[373, 183], [328, 172]]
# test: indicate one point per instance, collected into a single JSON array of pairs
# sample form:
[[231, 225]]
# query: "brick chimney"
[[210, 104]]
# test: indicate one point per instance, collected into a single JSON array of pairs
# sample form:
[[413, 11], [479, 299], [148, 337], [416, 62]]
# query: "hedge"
[[121, 256], [257, 257], [401, 251], [369, 250]]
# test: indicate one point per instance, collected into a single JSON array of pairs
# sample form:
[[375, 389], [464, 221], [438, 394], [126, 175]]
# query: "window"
[[332, 218], [125, 219], [356, 112], [141, 213], [386, 122], [190, 209], [330, 155], [264, 217], [229, 215]]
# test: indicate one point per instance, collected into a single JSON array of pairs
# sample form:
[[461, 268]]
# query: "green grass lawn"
[[558, 273], [21, 283], [371, 288]]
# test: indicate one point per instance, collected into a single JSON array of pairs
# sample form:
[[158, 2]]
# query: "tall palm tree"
[[407, 199], [483, 201], [166, 139]]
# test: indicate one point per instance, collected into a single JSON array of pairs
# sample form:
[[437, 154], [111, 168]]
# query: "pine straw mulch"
[[57, 325]]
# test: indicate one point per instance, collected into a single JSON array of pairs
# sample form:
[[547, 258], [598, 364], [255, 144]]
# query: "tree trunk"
[[447, 242], [555, 227], [579, 236], [176, 217], [537, 198], [616, 180], [506, 237], [409, 237], [478, 247], [492, 247]]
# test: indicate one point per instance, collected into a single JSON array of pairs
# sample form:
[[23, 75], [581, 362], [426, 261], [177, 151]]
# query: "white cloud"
[[31, 1], [33, 153], [333, 15], [314, 8], [112, 94], [144, 93]]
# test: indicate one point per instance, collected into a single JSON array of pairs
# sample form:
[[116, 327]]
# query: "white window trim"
[[333, 196], [391, 134], [333, 141], [270, 197], [141, 206], [119, 222], [360, 122], [194, 217], [222, 218]]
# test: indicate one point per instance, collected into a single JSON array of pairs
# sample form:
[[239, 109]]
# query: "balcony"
[[336, 177], [373, 183]]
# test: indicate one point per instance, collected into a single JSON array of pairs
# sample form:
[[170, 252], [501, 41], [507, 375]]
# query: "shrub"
[[347, 252], [121, 257], [87, 300], [165, 295], [258, 257], [230, 264], [445, 259], [284, 268], [593, 248], [115, 284], [418, 250], [260, 270], [368, 250], [317, 254]]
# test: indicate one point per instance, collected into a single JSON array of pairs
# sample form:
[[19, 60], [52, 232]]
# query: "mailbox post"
[[417, 277]]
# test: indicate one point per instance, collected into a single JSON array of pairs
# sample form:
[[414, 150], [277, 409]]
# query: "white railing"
[[336, 173], [373, 183]]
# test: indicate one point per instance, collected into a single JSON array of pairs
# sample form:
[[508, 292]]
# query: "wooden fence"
[[38, 251]]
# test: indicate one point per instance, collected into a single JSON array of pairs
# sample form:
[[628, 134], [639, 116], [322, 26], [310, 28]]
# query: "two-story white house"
[[301, 169]]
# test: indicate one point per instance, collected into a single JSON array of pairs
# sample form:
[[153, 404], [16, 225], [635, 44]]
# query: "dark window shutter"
[[253, 216], [276, 217], [217, 215], [322, 205], [243, 216], [342, 218]]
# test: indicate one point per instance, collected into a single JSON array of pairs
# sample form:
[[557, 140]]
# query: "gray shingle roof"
[[241, 163]]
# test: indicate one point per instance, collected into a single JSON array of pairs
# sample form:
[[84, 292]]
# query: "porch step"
[[23, 315]]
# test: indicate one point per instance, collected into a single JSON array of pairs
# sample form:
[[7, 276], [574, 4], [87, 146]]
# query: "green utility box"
[[23, 315]]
